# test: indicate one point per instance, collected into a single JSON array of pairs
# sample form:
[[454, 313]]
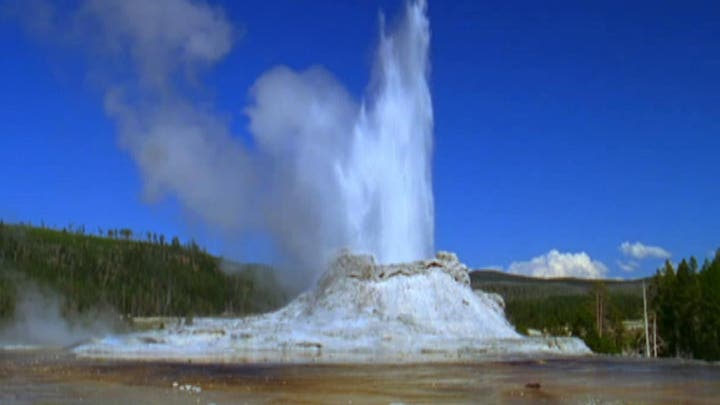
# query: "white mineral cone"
[[359, 311]]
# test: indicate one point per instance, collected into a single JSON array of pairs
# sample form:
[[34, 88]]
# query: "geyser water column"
[[347, 174], [386, 182]]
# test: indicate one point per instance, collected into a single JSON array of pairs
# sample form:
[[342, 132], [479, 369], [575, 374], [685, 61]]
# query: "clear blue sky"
[[573, 126]]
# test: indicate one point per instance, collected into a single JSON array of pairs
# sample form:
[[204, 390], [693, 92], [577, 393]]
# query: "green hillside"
[[149, 277], [512, 286]]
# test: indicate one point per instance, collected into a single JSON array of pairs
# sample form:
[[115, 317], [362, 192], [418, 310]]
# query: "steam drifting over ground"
[[38, 321], [327, 171]]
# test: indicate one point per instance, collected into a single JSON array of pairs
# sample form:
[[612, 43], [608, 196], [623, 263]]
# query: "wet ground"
[[58, 377]]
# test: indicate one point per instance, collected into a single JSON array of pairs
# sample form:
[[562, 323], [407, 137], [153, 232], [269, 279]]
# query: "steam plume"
[[327, 172], [39, 321]]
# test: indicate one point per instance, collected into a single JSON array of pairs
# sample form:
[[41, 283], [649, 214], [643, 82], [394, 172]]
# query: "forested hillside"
[[134, 277], [512, 286], [593, 310]]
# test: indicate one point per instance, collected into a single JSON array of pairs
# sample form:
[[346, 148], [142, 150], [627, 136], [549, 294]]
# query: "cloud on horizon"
[[628, 266], [640, 251], [556, 264]]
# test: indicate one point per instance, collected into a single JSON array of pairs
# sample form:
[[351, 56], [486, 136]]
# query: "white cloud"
[[628, 266], [638, 250], [557, 264]]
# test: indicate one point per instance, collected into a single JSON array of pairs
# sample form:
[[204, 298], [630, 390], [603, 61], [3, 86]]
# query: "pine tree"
[[665, 308], [709, 336]]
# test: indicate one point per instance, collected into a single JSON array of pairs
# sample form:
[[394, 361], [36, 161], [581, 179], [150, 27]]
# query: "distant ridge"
[[514, 285]]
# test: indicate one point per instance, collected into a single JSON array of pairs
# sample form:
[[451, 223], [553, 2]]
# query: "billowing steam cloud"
[[326, 172]]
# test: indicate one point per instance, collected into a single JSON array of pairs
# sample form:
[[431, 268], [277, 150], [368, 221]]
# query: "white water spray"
[[386, 182], [357, 176]]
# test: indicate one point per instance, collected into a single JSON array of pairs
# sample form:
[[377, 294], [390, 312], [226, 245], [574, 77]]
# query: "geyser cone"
[[359, 312]]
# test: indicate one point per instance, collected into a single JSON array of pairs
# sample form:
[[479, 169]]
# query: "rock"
[[363, 267], [446, 256], [196, 389], [496, 298]]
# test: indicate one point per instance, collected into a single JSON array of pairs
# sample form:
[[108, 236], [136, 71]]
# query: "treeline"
[[686, 302], [596, 311], [515, 286], [149, 277], [596, 317]]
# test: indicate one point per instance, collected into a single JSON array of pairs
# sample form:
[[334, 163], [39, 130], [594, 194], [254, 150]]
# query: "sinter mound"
[[359, 311]]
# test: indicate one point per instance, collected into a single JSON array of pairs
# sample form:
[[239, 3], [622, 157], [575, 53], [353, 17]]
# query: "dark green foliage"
[[137, 278], [7, 296], [588, 309], [575, 315], [512, 286], [687, 304]]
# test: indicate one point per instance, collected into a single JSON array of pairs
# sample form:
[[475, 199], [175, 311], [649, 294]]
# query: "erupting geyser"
[[350, 176], [358, 174], [386, 180]]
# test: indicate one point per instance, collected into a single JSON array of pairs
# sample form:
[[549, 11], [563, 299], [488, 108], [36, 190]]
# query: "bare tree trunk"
[[654, 335], [645, 317]]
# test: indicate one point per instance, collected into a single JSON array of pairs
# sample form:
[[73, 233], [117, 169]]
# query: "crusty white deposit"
[[359, 311]]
